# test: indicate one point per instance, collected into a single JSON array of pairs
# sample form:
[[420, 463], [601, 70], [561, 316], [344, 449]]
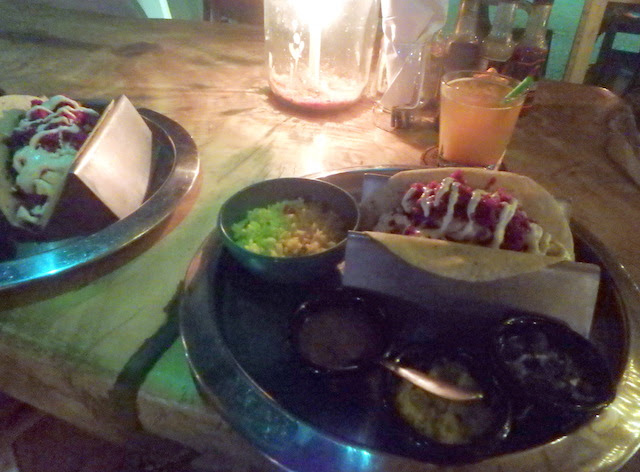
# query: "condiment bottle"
[[498, 46], [463, 52], [530, 54], [438, 47], [484, 22]]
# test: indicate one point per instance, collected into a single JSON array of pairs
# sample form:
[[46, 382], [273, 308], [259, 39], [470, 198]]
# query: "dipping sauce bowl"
[[548, 364], [339, 332], [289, 269], [443, 430]]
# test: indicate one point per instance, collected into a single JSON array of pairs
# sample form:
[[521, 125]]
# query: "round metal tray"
[[235, 327], [175, 168]]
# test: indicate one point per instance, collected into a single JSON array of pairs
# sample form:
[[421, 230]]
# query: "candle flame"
[[318, 14]]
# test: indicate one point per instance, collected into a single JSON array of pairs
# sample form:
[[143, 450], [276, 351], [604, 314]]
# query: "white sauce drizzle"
[[536, 240], [472, 229], [506, 214], [454, 193], [33, 163], [39, 170], [406, 202]]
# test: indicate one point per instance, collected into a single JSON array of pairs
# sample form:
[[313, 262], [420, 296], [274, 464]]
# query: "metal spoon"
[[433, 385]]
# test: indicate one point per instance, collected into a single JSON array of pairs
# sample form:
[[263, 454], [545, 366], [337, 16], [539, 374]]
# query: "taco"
[[39, 140], [468, 223]]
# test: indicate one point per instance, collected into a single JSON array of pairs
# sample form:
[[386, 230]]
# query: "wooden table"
[[586, 36], [99, 348]]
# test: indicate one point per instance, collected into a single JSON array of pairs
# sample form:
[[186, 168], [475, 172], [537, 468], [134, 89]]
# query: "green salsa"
[[289, 228]]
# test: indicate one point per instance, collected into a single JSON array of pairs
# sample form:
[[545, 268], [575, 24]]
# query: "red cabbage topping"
[[486, 215]]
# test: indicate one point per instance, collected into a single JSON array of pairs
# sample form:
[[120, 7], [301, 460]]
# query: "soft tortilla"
[[466, 261], [8, 204], [12, 110]]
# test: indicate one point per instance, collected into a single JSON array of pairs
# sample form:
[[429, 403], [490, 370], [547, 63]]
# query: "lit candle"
[[319, 51], [318, 16], [315, 38]]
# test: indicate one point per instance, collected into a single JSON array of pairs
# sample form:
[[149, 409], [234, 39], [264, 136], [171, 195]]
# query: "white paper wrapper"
[[407, 27]]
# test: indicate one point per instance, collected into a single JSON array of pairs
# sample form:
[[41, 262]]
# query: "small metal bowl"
[[339, 332], [544, 362], [485, 424], [288, 269]]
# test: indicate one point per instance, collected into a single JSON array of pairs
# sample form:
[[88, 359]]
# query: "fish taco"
[[39, 141], [468, 223]]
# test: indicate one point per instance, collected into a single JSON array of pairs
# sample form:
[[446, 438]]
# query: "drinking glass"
[[476, 122]]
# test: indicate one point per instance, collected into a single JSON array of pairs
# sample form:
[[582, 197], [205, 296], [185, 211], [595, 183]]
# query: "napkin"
[[406, 27]]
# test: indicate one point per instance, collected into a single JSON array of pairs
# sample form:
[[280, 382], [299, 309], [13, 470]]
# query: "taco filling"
[[42, 148], [452, 210]]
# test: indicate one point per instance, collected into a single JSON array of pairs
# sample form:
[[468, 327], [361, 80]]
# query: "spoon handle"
[[433, 385]]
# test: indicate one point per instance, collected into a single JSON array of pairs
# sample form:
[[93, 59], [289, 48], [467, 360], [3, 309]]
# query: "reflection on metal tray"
[[175, 168], [235, 329]]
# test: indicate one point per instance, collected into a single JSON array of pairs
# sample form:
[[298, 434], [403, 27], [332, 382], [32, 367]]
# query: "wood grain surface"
[[95, 347]]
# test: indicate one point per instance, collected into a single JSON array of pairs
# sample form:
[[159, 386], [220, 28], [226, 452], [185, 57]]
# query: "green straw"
[[519, 89]]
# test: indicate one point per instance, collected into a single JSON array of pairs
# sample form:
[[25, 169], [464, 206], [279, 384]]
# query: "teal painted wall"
[[564, 19]]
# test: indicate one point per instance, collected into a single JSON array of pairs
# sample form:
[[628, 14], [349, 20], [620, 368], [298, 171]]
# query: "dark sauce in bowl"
[[546, 362]]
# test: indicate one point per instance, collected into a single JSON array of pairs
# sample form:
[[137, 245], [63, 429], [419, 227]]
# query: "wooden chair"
[[617, 69]]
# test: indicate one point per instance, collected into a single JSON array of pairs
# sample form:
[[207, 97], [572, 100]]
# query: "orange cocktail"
[[475, 123]]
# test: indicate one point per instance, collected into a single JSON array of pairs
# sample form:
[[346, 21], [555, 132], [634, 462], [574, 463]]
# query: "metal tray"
[[175, 168], [235, 332]]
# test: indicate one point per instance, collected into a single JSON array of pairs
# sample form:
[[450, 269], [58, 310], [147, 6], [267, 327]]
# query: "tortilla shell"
[[461, 261], [8, 204], [12, 110], [464, 261]]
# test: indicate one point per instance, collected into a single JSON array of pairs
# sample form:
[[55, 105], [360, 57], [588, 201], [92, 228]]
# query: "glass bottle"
[[498, 46], [438, 47], [484, 22], [463, 51], [530, 54]]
